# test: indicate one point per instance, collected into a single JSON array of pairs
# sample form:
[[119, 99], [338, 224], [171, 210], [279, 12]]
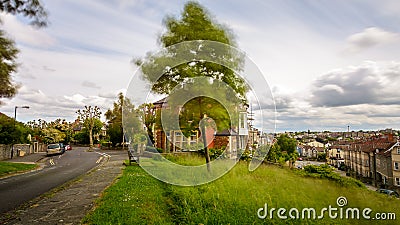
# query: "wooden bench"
[[132, 157]]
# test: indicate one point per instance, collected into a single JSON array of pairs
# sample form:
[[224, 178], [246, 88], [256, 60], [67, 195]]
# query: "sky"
[[329, 64]]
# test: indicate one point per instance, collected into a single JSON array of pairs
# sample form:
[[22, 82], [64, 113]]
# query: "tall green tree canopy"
[[195, 24], [191, 39], [8, 52]]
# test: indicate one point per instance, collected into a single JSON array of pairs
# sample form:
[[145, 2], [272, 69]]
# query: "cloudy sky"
[[329, 64]]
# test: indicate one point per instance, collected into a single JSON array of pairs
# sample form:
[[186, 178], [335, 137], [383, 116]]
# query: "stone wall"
[[21, 150], [5, 152]]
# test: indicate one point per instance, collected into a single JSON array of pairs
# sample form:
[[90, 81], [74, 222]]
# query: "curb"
[[9, 216]]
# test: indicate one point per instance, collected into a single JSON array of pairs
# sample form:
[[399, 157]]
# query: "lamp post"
[[15, 120]]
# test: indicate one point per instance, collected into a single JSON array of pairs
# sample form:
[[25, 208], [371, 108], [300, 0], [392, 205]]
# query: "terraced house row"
[[375, 160]]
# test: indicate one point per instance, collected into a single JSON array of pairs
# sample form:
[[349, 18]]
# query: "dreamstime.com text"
[[333, 212]]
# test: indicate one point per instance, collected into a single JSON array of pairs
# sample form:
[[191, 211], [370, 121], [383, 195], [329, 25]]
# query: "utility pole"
[[15, 121]]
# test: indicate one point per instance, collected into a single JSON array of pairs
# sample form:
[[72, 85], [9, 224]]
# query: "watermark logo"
[[183, 96], [332, 212]]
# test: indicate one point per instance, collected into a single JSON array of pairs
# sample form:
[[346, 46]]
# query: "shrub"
[[325, 171]]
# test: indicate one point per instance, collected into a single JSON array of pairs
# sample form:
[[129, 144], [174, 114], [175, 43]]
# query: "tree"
[[88, 116], [288, 145], [28, 8], [83, 136], [121, 108], [114, 117], [195, 24], [10, 134], [8, 52], [8, 65]]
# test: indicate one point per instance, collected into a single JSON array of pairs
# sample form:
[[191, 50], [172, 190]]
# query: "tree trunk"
[[203, 133], [90, 138]]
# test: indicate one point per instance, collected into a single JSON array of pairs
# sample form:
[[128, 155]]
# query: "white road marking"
[[99, 160], [52, 162], [104, 154]]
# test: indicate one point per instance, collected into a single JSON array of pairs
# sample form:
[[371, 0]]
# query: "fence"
[[20, 150]]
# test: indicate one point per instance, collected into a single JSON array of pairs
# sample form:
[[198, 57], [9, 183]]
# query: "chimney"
[[390, 137]]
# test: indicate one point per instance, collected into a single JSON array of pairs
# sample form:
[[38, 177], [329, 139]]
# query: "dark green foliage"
[[321, 157], [83, 136], [283, 150], [10, 134], [325, 171], [8, 65]]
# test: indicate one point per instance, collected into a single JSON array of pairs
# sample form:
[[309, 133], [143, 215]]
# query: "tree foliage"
[[31, 9], [195, 24], [122, 112], [10, 134], [83, 136], [8, 65], [283, 150], [88, 116], [8, 52]]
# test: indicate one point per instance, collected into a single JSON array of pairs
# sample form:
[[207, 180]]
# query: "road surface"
[[58, 169]]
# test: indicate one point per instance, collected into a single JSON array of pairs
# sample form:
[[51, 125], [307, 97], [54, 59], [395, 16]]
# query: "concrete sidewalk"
[[31, 158], [69, 203]]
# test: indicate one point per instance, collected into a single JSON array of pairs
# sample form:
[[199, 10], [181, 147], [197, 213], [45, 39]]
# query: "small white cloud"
[[369, 38]]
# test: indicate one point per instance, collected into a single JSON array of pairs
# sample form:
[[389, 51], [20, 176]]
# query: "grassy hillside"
[[138, 198]]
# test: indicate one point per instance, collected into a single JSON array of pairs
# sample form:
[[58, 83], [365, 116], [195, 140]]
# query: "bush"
[[325, 171]]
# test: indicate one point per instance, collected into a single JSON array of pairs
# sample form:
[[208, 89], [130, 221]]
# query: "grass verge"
[[8, 168], [138, 198]]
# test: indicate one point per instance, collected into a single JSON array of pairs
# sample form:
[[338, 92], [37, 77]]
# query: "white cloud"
[[369, 38]]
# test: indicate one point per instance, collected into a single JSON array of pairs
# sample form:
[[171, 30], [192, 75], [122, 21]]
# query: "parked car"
[[57, 148], [68, 147], [388, 192]]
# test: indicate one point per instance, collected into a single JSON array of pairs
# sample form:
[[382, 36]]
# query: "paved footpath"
[[71, 202]]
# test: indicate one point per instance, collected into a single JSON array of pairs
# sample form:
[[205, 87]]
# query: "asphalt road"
[[58, 169]]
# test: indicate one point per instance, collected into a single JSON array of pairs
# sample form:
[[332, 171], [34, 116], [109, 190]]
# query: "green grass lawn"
[[138, 198], [7, 168]]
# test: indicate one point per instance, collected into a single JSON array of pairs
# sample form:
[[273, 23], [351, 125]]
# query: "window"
[[397, 181], [398, 151], [396, 166]]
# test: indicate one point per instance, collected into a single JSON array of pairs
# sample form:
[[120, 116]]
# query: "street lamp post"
[[15, 120]]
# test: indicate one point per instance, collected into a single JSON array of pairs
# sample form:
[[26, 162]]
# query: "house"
[[315, 144], [388, 167], [312, 151], [335, 155], [367, 158], [175, 140]]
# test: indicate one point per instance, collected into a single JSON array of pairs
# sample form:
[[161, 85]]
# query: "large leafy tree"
[[88, 116], [31, 9], [122, 108], [114, 118], [195, 24]]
